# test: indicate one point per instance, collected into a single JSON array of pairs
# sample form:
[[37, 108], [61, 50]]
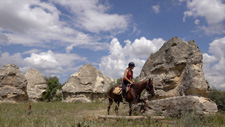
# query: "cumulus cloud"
[[214, 64], [48, 63], [38, 23], [31, 51], [92, 16], [212, 11], [138, 52], [32, 23], [156, 8], [197, 21], [6, 58], [3, 38]]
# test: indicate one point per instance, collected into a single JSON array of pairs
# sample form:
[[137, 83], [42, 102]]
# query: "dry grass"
[[58, 114]]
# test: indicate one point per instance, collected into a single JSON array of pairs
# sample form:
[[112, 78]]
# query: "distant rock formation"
[[12, 84], [86, 84], [176, 69], [36, 84], [178, 106]]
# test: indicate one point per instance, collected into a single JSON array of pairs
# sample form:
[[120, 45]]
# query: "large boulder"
[[36, 84], [176, 69], [181, 105], [85, 85], [12, 84]]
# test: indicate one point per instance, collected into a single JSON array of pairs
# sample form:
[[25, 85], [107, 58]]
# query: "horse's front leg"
[[130, 106], [145, 105]]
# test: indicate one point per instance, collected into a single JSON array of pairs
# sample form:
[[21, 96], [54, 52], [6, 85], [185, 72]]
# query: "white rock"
[[88, 81], [36, 84]]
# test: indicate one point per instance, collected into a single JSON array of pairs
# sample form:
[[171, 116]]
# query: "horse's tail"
[[109, 93]]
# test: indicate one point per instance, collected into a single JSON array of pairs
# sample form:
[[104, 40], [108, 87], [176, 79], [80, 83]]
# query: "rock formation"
[[36, 84], [176, 69], [86, 84], [12, 84], [178, 106]]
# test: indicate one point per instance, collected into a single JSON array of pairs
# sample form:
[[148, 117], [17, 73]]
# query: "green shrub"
[[53, 86], [218, 96]]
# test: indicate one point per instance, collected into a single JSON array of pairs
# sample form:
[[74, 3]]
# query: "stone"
[[176, 69], [36, 86], [181, 105], [12, 84], [85, 85]]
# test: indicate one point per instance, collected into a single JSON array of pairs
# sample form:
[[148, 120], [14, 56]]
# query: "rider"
[[128, 77]]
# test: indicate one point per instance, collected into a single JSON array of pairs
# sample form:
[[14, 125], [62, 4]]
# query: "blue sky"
[[57, 37]]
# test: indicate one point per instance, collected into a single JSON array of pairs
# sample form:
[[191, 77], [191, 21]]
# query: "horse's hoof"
[[143, 111]]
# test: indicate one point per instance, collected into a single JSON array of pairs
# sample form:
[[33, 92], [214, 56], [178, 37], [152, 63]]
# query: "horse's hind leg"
[[117, 107], [110, 103]]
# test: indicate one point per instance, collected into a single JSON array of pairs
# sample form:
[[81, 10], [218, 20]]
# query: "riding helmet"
[[131, 64]]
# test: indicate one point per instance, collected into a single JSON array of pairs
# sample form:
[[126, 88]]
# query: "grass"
[[59, 114]]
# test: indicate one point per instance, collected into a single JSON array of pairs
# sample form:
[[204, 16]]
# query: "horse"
[[132, 96]]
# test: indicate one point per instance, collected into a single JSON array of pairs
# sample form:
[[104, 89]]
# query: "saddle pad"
[[117, 91]]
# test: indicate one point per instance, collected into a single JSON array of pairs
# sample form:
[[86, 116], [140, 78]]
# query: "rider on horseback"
[[128, 78]]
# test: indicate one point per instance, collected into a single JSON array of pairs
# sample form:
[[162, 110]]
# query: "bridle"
[[148, 87]]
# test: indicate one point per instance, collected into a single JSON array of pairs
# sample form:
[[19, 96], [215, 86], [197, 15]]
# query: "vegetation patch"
[[59, 114]]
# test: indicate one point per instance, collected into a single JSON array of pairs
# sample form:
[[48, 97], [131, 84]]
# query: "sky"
[[57, 37]]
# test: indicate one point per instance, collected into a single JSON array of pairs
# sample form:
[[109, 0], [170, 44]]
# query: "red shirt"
[[129, 75]]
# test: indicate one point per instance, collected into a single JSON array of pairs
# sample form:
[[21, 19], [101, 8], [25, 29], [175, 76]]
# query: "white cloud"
[[44, 61], [31, 22], [222, 86], [214, 65], [212, 10], [138, 52], [213, 29], [208, 59], [86, 41], [92, 16], [156, 8], [197, 21], [31, 51], [48, 63], [6, 58], [217, 48], [3, 38], [36, 23]]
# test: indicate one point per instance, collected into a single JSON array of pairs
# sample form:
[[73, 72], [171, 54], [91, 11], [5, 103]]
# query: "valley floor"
[[59, 114]]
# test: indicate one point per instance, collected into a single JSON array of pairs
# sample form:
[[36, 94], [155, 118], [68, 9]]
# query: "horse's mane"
[[137, 84]]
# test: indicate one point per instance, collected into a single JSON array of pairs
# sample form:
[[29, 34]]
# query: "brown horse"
[[132, 96]]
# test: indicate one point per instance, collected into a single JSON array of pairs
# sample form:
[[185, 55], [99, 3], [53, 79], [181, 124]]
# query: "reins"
[[147, 85]]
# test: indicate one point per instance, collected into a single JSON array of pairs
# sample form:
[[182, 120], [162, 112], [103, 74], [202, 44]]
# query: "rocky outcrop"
[[85, 85], [178, 106], [176, 69], [36, 84], [12, 84]]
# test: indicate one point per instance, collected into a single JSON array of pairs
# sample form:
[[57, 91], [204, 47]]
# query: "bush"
[[218, 96], [53, 86]]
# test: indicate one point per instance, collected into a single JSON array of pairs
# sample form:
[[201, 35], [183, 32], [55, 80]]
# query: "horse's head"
[[150, 87]]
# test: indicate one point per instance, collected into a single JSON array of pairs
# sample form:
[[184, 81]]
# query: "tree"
[[52, 86], [218, 96]]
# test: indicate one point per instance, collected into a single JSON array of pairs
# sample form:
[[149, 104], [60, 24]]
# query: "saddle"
[[118, 90]]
